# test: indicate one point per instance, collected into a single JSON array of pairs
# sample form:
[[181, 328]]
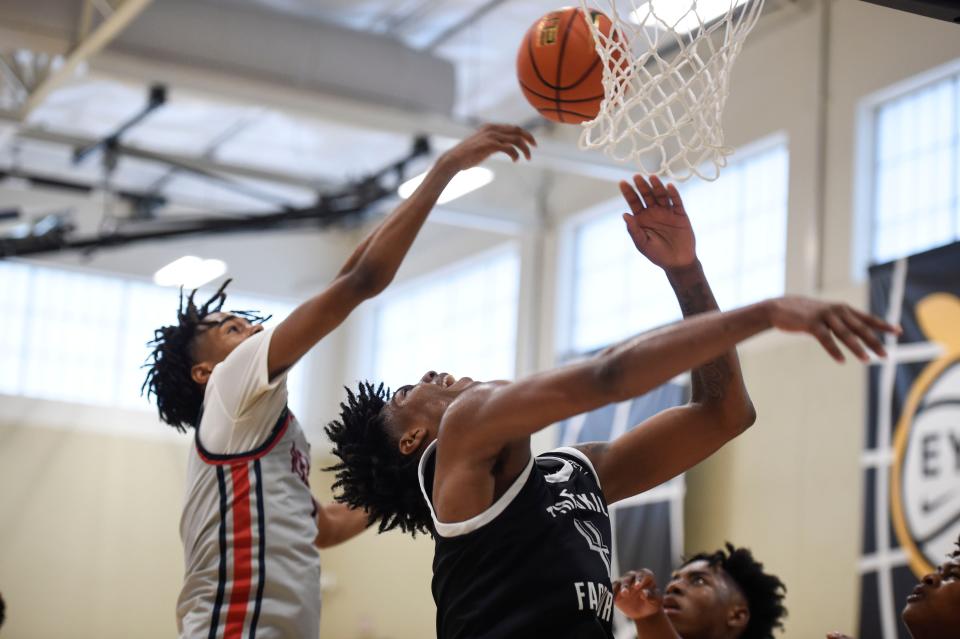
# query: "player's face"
[[223, 333], [699, 602], [417, 408], [933, 609]]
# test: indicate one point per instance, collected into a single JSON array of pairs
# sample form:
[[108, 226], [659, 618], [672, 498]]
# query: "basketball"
[[558, 68]]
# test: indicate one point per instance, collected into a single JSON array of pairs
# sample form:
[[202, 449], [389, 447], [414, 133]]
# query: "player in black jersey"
[[720, 595], [523, 544]]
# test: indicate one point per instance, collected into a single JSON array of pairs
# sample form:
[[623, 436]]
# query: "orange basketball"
[[559, 70]]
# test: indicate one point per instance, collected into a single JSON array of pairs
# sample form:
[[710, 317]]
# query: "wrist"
[[678, 273], [447, 166], [768, 309]]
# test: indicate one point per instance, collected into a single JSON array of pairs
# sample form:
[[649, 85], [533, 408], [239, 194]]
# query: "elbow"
[[608, 377], [738, 418], [367, 281], [747, 415]]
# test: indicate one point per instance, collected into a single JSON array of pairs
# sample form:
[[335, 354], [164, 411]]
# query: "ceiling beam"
[[189, 162], [90, 42]]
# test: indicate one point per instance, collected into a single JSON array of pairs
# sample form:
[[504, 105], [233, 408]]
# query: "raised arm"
[[660, 229], [720, 408], [375, 261]]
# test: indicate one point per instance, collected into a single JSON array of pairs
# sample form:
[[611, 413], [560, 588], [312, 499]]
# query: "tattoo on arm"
[[711, 380]]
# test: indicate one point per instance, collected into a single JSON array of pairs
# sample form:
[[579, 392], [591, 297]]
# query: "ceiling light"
[[681, 15], [461, 184], [189, 272]]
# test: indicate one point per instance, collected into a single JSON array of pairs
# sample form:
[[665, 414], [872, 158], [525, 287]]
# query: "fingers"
[[646, 192], [843, 332], [508, 149], [654, 193], [510, 145], [823, 335], [864, 332], [876, 323], [675, 197], [513, 131], [513, 136], [515, 140], [633, 199], [622, 586], [660, 194], [848, 326], [639, 235]]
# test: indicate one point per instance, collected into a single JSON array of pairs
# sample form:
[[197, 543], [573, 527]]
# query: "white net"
[[666, 77]]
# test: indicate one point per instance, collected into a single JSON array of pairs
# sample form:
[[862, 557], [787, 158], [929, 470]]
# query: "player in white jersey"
[[250, 526]]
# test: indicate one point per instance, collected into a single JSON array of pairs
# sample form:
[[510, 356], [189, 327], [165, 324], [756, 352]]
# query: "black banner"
[[911, 460]]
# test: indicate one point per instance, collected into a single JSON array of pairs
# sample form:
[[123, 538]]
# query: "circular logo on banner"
[[925, 488]]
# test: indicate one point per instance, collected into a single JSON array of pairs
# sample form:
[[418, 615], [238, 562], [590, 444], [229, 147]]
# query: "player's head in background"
[[380, 438], [933, 609], [724, 595], [184, 354]]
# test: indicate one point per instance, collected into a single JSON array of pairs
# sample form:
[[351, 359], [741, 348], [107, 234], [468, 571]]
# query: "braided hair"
[[169, 364], [372, 473]]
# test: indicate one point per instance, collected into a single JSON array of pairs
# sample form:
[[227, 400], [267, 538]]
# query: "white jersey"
[[249, 519]]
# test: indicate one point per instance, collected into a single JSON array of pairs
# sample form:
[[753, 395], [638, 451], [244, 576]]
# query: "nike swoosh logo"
[[933, 504]]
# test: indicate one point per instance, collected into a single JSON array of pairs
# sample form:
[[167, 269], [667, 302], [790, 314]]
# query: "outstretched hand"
[[831, 321], [658, 223], [490, 139], [636, 594]]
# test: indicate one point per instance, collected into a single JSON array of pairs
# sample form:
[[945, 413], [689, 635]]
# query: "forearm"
[[642, 363], [337, 523], [379, 256], [656, 626], [719, 382]]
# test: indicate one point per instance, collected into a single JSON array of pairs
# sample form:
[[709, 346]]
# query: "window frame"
[[865, 159], [366, 348], [127, 282], [564, 311]]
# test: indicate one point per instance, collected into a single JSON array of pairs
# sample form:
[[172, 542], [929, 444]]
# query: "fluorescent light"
[[461, 184], [681, 15], [189, 272]]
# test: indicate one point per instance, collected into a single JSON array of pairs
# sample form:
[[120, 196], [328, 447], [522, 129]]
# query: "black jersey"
[[534, 564]]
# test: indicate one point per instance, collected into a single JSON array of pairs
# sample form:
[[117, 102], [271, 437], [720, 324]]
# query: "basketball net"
[[666, 77]]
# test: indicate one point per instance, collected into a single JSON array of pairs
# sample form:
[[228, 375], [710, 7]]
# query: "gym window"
[[81, 337], [461, 320], [914, 170], [740, 222]]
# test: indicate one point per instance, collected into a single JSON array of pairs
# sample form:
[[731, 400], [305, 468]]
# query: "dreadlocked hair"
[[372, 473], [169, 364], [764, 592], [956, 553]]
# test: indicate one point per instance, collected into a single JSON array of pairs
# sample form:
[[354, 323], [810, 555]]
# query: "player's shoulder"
[[241, 357], [565, 462]]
